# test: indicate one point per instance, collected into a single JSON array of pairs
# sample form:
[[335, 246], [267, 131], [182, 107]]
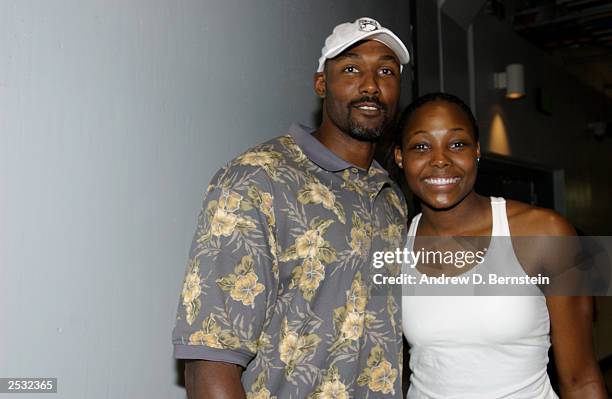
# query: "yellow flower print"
[[242, 285], [261, 394], [223, 223], [308, 244], [294, 348], [294, 149], [288, 348], [246, 288], [379, 376], [352, 327], [307, 277], [259, 158], [314, 192], [224, 220], [333, 390], [311, 244], [191, 288], [267, 208], [312, 274], [191, 292], [357, 297], [273, 251], [320, 194], [361, 236], [264, 202], [356, 185], [213, 336], [392, 234], [349, 320], [331, 387], [267, 160], [258, 389], [395, 201], [262, 342], [382, 378], [360, 241], [230, 201]]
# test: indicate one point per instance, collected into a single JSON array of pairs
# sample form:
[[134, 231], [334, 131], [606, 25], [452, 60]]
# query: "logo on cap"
[[367, 25]]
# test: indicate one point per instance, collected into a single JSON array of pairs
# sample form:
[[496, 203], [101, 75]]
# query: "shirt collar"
[[321, 155]]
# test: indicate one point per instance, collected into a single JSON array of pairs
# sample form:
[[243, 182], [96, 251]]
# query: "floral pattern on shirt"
[[279, 277]]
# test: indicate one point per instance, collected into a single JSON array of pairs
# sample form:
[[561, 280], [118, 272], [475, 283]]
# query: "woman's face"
[[439, 154]]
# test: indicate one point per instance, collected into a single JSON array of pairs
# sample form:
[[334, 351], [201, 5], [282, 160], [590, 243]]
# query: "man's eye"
[[350, 69], [387, 71], [458, 144]]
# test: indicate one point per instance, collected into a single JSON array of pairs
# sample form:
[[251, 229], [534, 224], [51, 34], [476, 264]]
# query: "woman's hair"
[[425, 99]]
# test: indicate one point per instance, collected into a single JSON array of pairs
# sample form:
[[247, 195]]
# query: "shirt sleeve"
[[231, 281]]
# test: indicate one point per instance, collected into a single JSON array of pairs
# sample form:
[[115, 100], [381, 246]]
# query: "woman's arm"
[[571, 317], [572, 342]]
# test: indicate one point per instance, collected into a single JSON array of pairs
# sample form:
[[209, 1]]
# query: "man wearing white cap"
[[277, 300]]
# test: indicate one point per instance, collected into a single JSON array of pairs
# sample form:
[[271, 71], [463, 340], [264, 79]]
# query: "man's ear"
[[319, 84], [478, 150]]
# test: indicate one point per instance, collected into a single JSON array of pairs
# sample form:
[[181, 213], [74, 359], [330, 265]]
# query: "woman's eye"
[[458, 144], [420, 147], [350, 69]]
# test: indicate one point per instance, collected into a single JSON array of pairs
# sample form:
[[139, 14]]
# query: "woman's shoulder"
[[528, 220]]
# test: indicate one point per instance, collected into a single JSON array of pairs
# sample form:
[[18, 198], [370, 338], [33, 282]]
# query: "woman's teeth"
[[439, 181]]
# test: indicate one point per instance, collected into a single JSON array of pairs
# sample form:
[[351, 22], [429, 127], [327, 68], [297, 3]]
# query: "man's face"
[[361, 88]]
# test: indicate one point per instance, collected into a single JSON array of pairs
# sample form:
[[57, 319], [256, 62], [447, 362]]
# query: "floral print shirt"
[[277, 280]]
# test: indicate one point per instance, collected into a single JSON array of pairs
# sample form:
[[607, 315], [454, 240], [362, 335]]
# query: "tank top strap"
[[413, 225], [498, 214], [500, 226]]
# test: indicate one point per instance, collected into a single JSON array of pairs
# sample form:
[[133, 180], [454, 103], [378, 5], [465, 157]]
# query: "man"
[[276, 301]]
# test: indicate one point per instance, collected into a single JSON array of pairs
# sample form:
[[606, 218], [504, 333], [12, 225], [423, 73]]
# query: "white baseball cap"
[[349, 33]]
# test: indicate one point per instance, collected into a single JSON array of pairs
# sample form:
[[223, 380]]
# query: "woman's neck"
[[471, 216]]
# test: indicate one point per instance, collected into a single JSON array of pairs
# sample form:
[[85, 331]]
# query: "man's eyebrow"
[[389, 57], [348, 55]]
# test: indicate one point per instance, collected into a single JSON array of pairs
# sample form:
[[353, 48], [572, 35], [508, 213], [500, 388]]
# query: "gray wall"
[[113, 117]]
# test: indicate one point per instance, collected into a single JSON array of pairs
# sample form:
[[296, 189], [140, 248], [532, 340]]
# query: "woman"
[[483, 346]]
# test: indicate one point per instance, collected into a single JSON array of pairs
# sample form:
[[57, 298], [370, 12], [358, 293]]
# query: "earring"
[[400, 165]]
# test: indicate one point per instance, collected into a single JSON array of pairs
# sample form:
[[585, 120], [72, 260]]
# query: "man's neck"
[[359, 153]]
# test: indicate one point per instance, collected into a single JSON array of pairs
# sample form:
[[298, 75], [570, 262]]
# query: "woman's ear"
[[319, 84], [398, 157]]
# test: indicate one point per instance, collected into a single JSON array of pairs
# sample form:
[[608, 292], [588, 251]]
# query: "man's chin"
[[366, 134]]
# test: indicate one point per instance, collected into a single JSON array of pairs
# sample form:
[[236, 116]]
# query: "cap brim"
[[384, 36]]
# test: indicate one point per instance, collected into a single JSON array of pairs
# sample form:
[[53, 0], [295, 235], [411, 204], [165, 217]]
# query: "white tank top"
[[468, 347]]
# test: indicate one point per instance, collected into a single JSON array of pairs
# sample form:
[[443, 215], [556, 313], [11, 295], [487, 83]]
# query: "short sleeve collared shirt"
[[277, 279]]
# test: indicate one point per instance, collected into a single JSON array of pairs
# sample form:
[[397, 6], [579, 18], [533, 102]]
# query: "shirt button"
[[354, 170]]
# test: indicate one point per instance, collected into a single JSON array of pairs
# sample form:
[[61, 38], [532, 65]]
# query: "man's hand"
[[206, 379]]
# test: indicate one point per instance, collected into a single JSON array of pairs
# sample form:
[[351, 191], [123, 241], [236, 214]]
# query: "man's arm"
[[230, 284], [206, 379]]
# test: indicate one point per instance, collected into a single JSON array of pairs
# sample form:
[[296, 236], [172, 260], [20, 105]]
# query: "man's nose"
[[369, 84]]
